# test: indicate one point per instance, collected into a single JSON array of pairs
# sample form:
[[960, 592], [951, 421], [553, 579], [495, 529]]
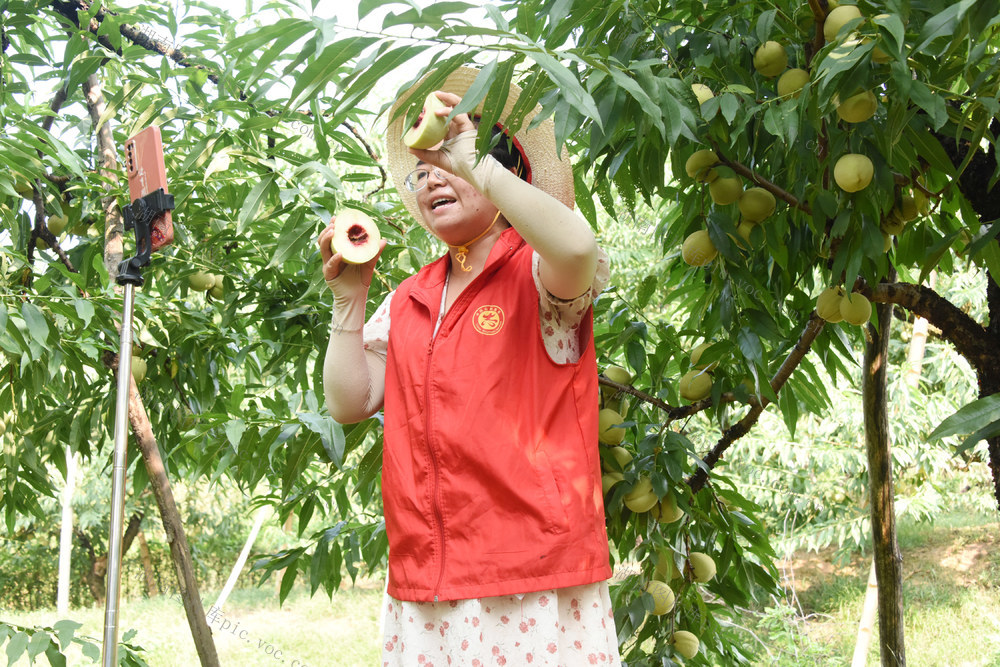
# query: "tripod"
[[138, 216]]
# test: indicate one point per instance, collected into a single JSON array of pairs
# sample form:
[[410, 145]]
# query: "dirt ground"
[[961, 557]]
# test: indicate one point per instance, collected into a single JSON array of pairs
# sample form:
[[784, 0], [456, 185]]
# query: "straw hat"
[[547, 171]]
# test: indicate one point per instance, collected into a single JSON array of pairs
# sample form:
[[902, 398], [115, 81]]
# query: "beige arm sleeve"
[[562, 239], [354, 367]]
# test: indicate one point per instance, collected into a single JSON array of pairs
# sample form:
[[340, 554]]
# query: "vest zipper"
[[439, 517]]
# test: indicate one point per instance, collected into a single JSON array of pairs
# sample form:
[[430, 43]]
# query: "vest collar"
[[429, 281]]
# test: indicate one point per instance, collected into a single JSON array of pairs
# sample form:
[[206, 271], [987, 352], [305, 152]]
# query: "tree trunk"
[[201, 633], [989, 383], [914, 363], [977, 185], [93, 576], [147, 566], [66, 535], [888, 561]]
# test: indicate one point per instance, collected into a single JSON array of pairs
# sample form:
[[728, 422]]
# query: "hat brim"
[[551, 172]]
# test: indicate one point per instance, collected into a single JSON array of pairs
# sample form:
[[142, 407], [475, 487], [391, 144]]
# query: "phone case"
[[147, 173]]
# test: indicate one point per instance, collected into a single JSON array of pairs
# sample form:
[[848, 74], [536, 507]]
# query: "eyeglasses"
[[417, 179]]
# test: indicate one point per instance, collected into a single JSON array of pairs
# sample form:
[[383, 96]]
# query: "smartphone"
[[147, 173]]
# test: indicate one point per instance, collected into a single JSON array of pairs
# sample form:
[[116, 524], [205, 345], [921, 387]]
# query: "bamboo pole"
[[241, 561], [866, 627]]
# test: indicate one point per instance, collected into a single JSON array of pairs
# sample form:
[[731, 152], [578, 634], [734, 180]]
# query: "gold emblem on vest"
[[488, 320]]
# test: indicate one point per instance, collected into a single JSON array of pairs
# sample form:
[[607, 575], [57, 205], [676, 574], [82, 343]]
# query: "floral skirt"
[[567, 627]]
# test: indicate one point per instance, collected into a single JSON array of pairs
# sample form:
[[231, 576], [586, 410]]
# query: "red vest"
[[491, 478]]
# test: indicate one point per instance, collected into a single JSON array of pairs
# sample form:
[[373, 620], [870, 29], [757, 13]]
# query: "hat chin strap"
[[463, 250]]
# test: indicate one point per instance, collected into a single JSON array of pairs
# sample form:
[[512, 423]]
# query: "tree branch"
[[673, 412], [970, 338], [107, 159], [39, 230], [773, 188], [700, 477], [819, 14], [372, 155], [134, 525]]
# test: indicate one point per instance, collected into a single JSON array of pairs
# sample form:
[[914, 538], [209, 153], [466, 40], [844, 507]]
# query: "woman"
[[491, 477]]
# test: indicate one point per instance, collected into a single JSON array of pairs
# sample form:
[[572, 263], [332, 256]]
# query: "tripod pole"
[[109, 654]]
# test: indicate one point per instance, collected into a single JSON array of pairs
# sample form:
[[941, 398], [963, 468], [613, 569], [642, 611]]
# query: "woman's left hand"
[[457, 153]]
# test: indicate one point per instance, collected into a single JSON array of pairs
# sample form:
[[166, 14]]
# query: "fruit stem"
[[774, 189]]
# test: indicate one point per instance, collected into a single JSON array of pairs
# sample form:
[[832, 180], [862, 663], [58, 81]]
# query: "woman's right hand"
[[343, 278]]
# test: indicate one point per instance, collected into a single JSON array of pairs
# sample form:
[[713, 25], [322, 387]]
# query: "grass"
[[951, 572], [254, 631], [951, 598]]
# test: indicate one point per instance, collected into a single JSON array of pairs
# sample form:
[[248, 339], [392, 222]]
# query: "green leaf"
[[843, 57], [750, 346], [894, 26], [789, 406], [295, 238], [40, 642], [326, 67], [64, 630], [584, 202], [35, 319], [305, 513], [991, 257], [569, 86], [385, 64], [646, 290], [478, 89], [930, 102], [84, 309], [56, 148], [318, 565], [969, 418], [929, 148], [635, 353], [943, 24], [56, 659], [91, 650], [234, 432], [330, 432], [765, 23], [730, 106], [287, 581], [673, 111], [988, 431], [646, 103], [253, 202], [16, 647], [284, 33]]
